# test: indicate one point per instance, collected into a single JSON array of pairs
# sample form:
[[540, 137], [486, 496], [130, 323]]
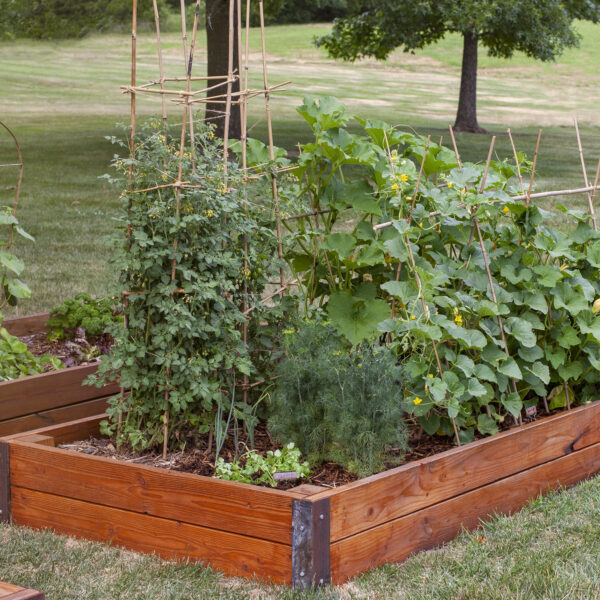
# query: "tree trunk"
[[217, 41], [466, 116]]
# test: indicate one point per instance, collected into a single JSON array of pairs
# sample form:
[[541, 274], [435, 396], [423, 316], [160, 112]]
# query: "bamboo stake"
[[229, 89], [270, 133], [188, 84], [160, 65], [512, 143], [595, 186], [535, 156], [414, 198], [585, 177], [183, 31]]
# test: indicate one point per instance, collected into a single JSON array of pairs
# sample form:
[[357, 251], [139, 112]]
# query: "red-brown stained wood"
[[231, 553], [396, 540], [374, 500], [52, 417], [229, 506], [15, 592], [46, 391], [63, 433], [26, 325]]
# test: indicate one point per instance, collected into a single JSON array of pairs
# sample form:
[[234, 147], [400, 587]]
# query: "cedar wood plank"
[[249, 510], [37, 393], [53, 417], [27, 325], [7, 588], [396, 540], [231, 553], [377, 499], [62, 433]]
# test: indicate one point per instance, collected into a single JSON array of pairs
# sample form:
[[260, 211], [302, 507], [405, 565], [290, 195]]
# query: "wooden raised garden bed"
[[308, 535], [14, 592], [50, 398]]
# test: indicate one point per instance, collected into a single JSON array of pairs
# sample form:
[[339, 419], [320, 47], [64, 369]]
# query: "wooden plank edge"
[[63, 431], [172, 540], [472, 446], [53, 416], [310, 543], [27, 325], [4, 483], [440, 523], [25, 594]]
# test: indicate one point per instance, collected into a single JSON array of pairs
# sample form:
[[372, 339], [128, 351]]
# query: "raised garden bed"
[[55, 397], [14, 592], [304, 536]]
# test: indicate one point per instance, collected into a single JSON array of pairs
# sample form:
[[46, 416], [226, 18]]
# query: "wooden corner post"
[[310, 543], [4, 483]]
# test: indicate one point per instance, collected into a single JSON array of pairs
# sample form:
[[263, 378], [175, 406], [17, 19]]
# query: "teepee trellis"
[[193, 92]]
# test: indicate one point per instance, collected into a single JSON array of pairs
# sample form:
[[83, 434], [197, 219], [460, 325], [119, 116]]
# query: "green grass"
[[62, 98], [550, 550]]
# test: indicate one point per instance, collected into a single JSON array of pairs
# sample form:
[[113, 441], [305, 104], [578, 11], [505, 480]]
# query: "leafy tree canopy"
[[539, 28]]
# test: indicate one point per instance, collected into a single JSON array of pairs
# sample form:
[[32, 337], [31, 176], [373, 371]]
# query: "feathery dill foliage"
[[338, 404], [187, 274]]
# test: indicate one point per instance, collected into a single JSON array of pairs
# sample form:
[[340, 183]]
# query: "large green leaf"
[[565, 296], [356, 319], [513, 404], [341, 243], [18, 289], [11, 262], [405, 291], [522, 331], [510, 368], [547, 276], [571, 370], [323, 113], [568, 337], [540, 370]]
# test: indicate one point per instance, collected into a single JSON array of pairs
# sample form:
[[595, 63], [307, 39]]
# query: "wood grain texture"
[[14, 592], [228, 552], [396, 540], [70, 431], [416, 485], [54, 416], [27, 325], [37, 393], [225, 505]]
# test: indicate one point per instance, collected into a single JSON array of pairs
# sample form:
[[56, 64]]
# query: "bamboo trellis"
[[184, 100], [18, 164]]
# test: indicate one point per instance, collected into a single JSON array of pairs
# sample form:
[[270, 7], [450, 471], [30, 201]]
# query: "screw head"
[[301, 573], [321, 517]]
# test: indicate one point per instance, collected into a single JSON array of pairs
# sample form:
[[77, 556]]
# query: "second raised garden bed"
[[305, 536], [55, 397]]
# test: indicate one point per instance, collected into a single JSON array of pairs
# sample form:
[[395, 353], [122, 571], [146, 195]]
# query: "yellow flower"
[[426, 388], [417, 400], [404, 178], [563, 267], [413, 317], [421, 224], [596, 306], [430, 375], [505, 209], [458, 320], [449, 184], [395, 186]]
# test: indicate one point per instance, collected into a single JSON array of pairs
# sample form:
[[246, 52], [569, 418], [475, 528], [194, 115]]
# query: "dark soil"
[[200, 461], [70, 355]]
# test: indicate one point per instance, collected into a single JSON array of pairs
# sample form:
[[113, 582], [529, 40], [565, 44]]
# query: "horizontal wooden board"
[[15, 592], [37, 393], [231, 553], [54, 416], [27, 325], [375, 500], [229, 506], [396, 540], [70, 431]]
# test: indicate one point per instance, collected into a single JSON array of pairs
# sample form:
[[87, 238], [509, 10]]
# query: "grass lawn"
[[549, 551], [62, 99]]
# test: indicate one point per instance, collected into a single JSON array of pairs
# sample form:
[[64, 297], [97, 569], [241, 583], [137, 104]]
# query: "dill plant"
[[187, 274], [337, 403]]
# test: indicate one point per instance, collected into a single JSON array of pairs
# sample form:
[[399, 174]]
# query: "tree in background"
[[541, 29]]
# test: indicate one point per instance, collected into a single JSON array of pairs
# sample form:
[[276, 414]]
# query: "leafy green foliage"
[[16, 360], [184, 261], [252, 467], [545, 282], [81, 311], [336, 403], [541, 31], [12, 289], [48, 19]]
